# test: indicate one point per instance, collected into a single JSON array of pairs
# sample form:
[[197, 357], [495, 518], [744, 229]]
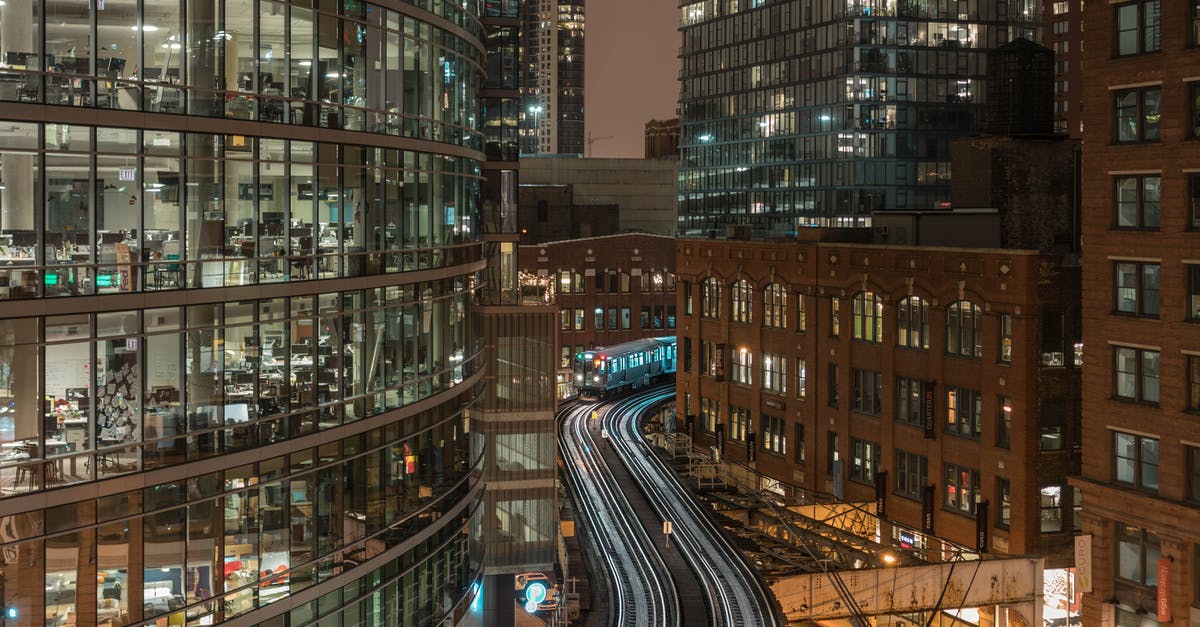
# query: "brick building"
[[950, 369], [1141, 462], [609, 289], [662, 139]]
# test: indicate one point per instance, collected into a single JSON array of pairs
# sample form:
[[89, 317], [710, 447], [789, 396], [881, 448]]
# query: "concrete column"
[[499, 601]]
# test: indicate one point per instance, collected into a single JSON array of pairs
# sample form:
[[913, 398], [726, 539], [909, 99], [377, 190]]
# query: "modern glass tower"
[[816, 112], [239, 243], [552, 76]]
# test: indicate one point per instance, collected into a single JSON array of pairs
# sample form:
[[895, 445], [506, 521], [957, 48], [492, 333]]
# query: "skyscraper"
[[237, 340], [817, 113], [552, 76]]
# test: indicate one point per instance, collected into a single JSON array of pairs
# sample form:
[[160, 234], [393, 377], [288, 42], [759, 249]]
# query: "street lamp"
[[536, 110]]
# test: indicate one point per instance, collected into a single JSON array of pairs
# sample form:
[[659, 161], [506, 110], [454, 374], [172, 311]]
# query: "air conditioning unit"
[[1053, 360]]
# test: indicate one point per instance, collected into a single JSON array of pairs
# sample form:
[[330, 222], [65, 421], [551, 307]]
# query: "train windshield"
[[588, 364]]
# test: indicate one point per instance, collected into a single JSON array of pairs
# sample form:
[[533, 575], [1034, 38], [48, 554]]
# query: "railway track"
[[735, 594]]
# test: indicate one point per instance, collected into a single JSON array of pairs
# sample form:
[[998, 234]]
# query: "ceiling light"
[[148, 28]]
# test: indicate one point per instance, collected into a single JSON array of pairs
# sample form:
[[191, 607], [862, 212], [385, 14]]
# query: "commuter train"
[[607, 371]]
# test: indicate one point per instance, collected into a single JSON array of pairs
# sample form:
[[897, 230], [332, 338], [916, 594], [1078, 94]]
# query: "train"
[[607, 371]]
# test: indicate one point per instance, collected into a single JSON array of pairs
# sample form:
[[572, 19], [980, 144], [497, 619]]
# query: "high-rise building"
[[662, 139], [818, 113], [1141, 376], [239, 244], [552, 76], [1063, 28]]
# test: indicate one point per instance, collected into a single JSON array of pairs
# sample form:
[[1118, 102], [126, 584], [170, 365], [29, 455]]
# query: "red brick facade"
[[1147, 490], [1031, 290]]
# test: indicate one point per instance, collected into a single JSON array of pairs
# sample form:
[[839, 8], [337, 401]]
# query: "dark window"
[[1053, 424], [1194, 8], [1004, 422], [1193, 202], [1138, 113], [1138, 27], [910, 401], [866, 386], [1193, 473], [739, 423], [645, 319], [1194, 108], [1135, 374], [832, 450], [1137, 555], [833, 385], [687, 354], [912, 473], [1051, 505], [687, 298], [964, 412], [798, 445], [1136, 288], [1138, 201], [864, 461], [1193, 379], [1006, 338], [963, 324], [1135, 460], [912, 323], [1193, 292]]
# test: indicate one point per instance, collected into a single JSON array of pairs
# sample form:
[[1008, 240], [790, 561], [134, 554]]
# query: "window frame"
[[775, 306], [1148, 549], [742, 370], [964, 340], [774, 376], [953, 475], [864, 461], [710, 299], [912, 331], [1140, 114], [1142, 217], [1003, 503], [1140, 29], [866, 317], [741, 302], [973, 407], [1138, 463], [910, 411], [910, 483], [1140, 377], [866, 391]]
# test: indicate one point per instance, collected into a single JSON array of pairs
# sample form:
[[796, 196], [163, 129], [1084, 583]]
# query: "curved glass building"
[[238, 352]]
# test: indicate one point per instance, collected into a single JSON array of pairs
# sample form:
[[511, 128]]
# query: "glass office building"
[[239, 252], [816, 112]]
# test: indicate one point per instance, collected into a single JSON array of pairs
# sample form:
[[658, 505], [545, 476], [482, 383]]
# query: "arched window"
[[741, 298], [964, 322], [775, 304], [710, 299], [868, 317], [912, 323]]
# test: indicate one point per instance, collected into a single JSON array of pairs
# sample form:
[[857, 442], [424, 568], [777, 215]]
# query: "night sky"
[[632, 71]]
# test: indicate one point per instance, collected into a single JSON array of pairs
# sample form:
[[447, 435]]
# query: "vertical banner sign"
[[721, 437], [750, 447], [927, 509], [881, 494], [1083, 563], [839, 488], [930, 427], [981, 526], [1164, 589]]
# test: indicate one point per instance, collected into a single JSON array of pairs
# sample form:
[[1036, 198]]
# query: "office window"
[[1135, 460], [710, 299], [1193, 473], [741, 297], [964, 321], [1136, 288], [961, 489], [1060, 7], [867, 317], [864, 460], [687, 298], [739, 423], [670, 316], [866, 387], [564, 320], [710, 414], [626, 322], [801, 313], [564, 357], [910, 401], [1051, 509], [774, 373], [1004, 422], [801, 379], [833, 385], [743, 362], [798, 445], [1193, 292], [1138, 201], [1135, 374], [579, 319], [912, 323], [645, 317], [1076, 508], [834, 316], [1138, 27], [831, 450], [1004, 496], [774, 440], [1052, 424], [1138, 112], [912, 473], [1193, 380], [964, 411], [1006, 338], [775, 306], [1138, 551], [712, 359], [598, 319], [612, 318]]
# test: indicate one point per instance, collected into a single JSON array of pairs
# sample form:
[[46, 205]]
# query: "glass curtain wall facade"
[[816, 112], [238, 358]]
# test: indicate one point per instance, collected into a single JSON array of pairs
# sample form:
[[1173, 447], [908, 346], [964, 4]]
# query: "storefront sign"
[[1083, 562], [1164, 589]]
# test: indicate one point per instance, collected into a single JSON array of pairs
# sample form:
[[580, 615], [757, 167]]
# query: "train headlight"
[[596, 379], [579, 377]]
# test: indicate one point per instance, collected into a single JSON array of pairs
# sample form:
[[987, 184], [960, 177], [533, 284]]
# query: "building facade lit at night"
[[238, 338]]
